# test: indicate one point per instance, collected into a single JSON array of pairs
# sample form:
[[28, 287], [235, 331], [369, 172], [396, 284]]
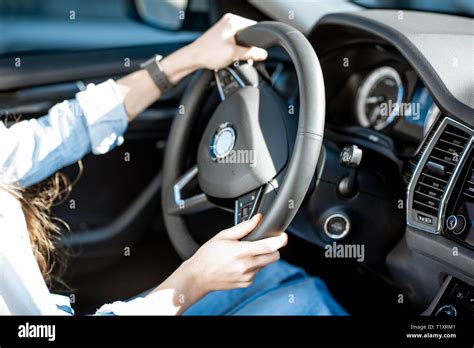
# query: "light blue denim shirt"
[[33, 150]]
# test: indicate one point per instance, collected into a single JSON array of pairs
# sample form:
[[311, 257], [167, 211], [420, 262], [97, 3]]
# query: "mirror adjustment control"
[[456, 224]]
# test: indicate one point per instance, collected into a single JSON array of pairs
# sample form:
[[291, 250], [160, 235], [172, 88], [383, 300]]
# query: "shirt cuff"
[[137, 306], [105, 115], [141, 305]]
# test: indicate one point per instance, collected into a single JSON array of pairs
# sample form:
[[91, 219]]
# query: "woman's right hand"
[[224, 262]]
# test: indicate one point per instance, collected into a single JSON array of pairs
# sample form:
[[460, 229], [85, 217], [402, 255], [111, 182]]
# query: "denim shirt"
[[31, 151]]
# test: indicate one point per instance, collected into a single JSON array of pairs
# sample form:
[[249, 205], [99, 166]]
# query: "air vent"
[[431, 178], [412, 164], [438, 169]]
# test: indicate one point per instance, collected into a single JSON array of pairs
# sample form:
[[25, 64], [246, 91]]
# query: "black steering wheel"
[[248, 154]]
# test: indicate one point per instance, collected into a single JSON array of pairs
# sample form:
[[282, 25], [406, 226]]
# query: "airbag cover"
[[260, 148]]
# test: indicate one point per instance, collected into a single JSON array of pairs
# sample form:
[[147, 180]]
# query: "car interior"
[[396, 182]]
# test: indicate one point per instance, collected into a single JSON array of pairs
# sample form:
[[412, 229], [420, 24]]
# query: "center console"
[[454, 299]]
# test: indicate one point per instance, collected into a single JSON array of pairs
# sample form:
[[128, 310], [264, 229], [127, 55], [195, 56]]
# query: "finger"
[[251, 53], [238, 22], [249, 276], [268, 245], [241, 230], [260, 261], [243, 284]]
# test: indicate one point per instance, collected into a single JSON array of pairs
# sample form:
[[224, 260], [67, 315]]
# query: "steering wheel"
[[249, 154]]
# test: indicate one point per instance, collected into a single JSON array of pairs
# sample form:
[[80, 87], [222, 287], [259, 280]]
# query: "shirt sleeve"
[[34, 149]]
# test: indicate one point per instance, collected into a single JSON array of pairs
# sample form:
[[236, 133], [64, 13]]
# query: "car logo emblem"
[[222, 142]]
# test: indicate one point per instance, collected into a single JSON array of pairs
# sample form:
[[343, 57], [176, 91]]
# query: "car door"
[[50, 50]]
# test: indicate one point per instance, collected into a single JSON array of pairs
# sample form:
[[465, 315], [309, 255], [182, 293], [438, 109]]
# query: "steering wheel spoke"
[[190, 205]]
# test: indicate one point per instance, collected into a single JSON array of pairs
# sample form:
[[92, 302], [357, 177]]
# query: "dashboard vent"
[[412, 164], [437, 170]]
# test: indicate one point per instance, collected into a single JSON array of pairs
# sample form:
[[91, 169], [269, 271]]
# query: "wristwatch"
[[154, 69]]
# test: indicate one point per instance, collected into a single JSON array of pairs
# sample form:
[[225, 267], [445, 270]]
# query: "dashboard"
[[389, 78], [395, 91], [383, 99], [380, 91]]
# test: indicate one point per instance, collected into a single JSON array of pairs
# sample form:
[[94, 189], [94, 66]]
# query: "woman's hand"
[[217, 47], [224, 262]]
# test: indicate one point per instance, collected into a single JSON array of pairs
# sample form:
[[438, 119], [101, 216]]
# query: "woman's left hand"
[[217, 47]]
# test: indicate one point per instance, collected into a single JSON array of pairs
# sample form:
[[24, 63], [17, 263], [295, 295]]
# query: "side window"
[[46, 25], [175, 14]]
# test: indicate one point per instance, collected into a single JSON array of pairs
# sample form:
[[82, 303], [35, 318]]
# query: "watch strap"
[[154, 69]]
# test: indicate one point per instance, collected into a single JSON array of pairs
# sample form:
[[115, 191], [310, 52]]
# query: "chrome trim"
[[453, 180], [463, 224], [363, 92], [417, 172], [236, 212], [433, 113], [337, 236], [181, 183], [447, 306], [220, 87], [236, 76], [224, 127]]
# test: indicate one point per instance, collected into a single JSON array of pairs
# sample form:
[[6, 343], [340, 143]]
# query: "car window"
[[461, 7], [62, 25]]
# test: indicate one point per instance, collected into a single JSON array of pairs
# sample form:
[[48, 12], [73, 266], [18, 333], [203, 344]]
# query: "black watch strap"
[[153, 67]]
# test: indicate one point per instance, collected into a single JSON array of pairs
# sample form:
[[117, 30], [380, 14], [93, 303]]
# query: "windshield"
[[460, 7]]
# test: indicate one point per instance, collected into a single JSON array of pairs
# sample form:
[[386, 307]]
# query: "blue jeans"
[[278, 289]]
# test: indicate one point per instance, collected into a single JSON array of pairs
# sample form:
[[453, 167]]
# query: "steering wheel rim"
[[302, 163]]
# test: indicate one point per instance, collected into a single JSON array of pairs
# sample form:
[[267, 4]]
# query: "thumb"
[[251, 53], [241, 230]]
